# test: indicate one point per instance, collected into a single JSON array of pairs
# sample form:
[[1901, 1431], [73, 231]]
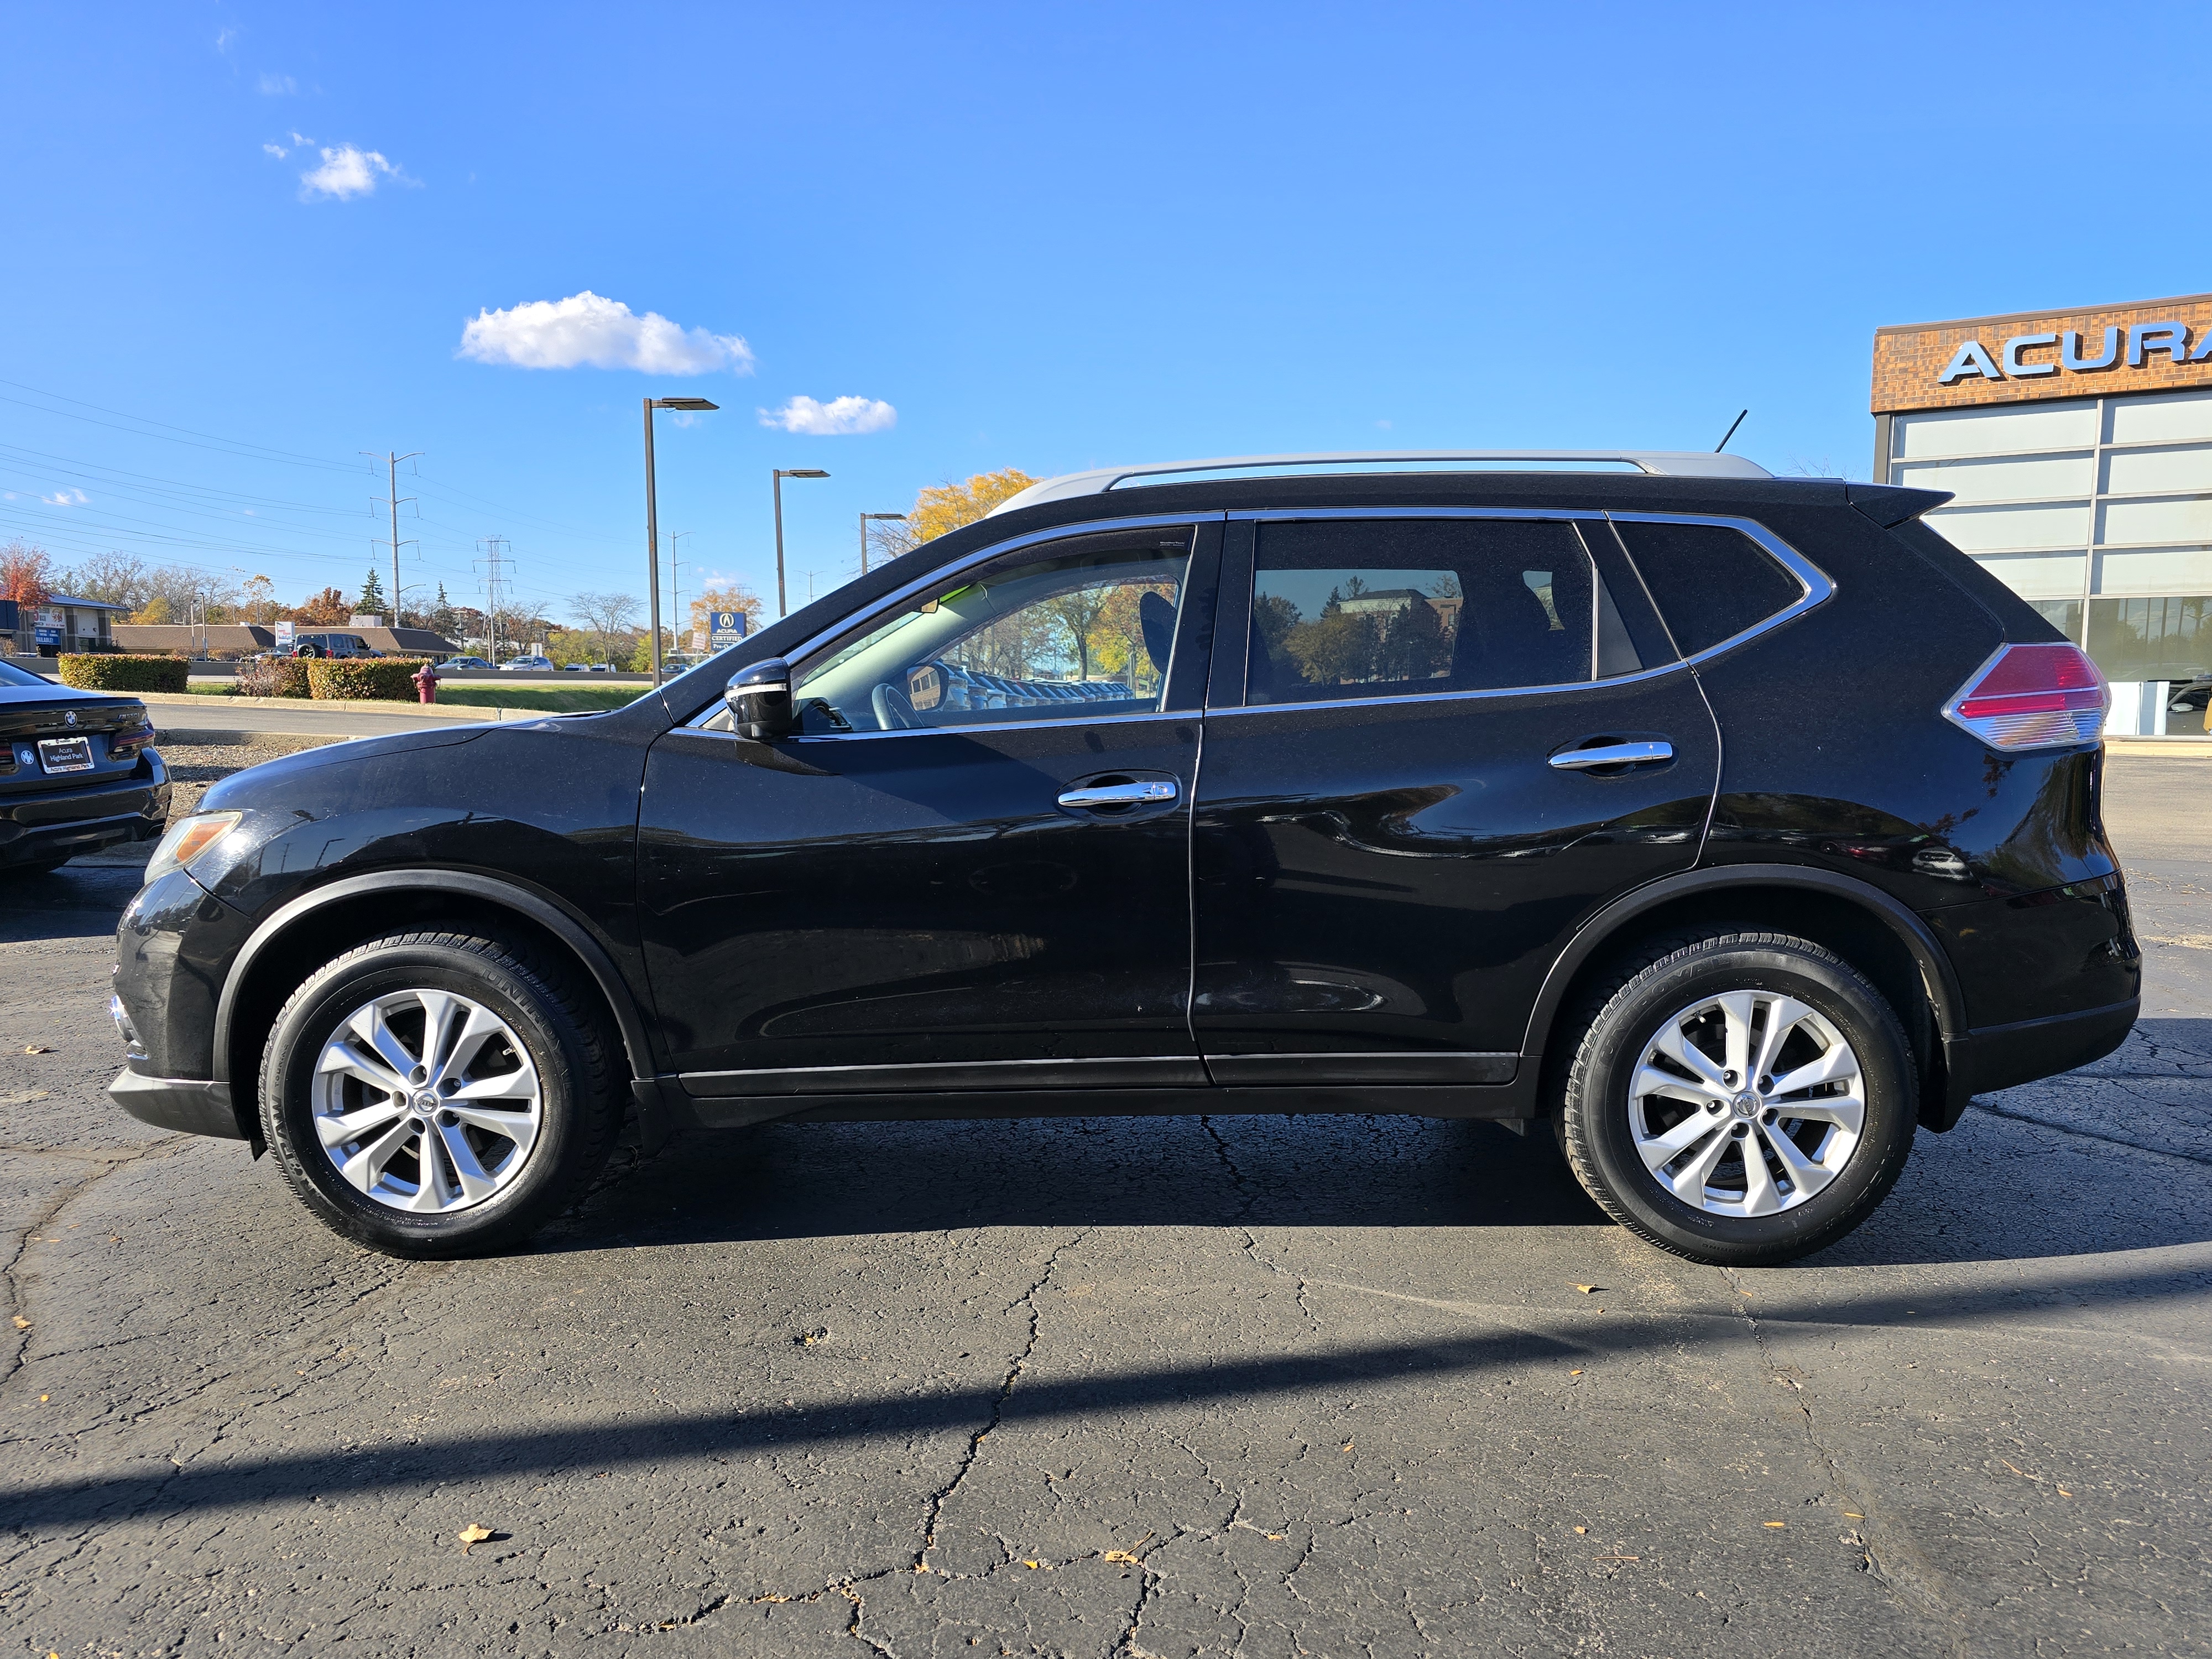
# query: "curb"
[[210, 736]]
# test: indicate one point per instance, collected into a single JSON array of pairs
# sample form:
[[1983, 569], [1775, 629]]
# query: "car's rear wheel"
[[439, 1093], [1740, 1099]]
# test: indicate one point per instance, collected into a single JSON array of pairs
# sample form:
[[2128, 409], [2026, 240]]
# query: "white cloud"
[[587, 331], [65, 498], [840, 418], [276, 150], [348, 172], [223, 38], [276, 86]]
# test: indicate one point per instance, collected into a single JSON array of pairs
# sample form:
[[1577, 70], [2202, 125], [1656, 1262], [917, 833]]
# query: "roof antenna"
[[1737, 423]]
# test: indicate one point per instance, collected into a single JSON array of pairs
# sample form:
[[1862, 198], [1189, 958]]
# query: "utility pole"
[[391, 499], [676, 618], [495, 560]]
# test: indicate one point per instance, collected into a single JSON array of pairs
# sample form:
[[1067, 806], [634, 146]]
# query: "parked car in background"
[[332, 645], [77, 772], [527, 665], [465, 665], [1346, 791]]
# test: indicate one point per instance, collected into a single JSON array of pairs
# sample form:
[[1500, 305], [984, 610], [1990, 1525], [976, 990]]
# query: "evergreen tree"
[[371, 594]]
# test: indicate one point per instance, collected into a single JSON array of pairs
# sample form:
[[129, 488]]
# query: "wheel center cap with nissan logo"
[[1746, 1104]]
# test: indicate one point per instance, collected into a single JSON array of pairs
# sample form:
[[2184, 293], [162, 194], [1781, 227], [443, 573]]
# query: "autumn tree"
[[257, 602], [946, 506], [325, 609], [112, 577], [26, 575]]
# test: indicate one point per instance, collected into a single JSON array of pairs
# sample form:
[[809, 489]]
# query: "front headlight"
[[187, 839]]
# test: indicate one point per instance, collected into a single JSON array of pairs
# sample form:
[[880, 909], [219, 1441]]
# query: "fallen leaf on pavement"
[[1774, 1524], [1590, 1290], [1574, 1373], [1346, 1446], [472, 1535], [1122, 1556], [36, 1048], [1036, 1566], [21, 1323], [1581, 1530]]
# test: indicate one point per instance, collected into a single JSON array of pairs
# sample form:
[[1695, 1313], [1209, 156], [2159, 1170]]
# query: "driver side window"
[[1071, 629]]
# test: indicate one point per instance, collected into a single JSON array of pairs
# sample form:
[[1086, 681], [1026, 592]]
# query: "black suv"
[[332, 645], [1738, 826]]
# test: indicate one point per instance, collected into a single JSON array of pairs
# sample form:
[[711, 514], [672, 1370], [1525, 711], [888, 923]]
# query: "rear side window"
[[1711, 582], [1353, 608]]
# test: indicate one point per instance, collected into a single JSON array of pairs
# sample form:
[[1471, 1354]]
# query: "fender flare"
[[1936, 973], [554, 918]]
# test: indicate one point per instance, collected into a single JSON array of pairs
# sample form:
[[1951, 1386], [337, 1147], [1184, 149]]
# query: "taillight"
[[2033, 696], [129, 742]]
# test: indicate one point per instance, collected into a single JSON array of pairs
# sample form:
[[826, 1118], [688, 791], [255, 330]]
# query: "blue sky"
[[1046, 237]]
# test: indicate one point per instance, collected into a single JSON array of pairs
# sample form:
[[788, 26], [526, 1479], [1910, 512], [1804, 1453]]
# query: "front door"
[[1399, 821], [969, 867]]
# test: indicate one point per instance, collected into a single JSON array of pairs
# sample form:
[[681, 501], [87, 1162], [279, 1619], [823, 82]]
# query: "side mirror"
[[759, 696]]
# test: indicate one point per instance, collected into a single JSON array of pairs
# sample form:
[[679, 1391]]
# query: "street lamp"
[[653, 515], [865, 516], [781, 474]]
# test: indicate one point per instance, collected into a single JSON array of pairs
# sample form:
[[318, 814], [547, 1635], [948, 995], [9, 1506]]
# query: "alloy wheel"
[[1747, 1103], [427, 1102]]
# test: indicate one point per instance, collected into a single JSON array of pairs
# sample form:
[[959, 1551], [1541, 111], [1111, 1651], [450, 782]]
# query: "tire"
[[508, 1128], [1643, 1130]]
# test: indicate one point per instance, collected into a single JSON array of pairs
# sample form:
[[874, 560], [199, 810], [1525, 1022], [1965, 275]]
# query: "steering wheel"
[[894, 712]]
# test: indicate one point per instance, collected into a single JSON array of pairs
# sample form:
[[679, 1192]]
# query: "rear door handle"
[[1613, 754], [1121, 794]]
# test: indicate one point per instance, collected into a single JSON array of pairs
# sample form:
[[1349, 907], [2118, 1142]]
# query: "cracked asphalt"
[[1255, 1387]]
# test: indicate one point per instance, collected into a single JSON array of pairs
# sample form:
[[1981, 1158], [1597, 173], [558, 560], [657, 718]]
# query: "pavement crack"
[[2091, 1134], [940, 1498], [19, 1242], [1245, 1191], [1893, 1558]]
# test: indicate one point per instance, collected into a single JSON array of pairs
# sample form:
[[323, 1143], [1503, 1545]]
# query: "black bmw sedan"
[[1737, 828], [77, 772]]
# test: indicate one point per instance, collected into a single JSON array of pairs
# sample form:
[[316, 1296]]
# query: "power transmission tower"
[[493, 557], [391, 499]]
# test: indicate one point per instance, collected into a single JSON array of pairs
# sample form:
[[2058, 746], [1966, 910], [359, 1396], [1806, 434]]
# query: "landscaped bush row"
[[105, 671], [390, 679]]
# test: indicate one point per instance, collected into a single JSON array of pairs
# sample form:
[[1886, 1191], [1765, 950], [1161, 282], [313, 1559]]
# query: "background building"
[[2079, 445]]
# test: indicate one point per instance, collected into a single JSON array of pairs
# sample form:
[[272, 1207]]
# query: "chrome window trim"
[[1815, 582], [995, 726], [899, 596]]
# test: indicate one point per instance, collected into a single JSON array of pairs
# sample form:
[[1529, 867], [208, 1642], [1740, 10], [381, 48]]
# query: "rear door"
[[1447, 739]]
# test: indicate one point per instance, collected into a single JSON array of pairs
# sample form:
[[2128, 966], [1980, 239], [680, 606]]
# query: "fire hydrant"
[[426, 683]]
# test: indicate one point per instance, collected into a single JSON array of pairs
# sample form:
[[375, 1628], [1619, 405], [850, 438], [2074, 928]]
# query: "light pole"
[[653, 518], [780, 474], [865, 516]]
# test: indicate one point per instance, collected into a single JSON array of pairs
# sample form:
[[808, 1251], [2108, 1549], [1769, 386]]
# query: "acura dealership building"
[[2078, 446]]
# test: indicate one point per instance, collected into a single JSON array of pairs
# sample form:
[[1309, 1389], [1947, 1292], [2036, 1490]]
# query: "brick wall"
[[1908, 359]]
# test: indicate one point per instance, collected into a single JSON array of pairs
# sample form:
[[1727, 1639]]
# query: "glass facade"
[[2099, 512]]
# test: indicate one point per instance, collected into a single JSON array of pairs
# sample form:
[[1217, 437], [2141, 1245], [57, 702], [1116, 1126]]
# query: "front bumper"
[[170, 1102]]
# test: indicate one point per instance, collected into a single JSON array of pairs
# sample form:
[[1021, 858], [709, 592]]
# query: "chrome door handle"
[[1613, 754], [1119, 794]]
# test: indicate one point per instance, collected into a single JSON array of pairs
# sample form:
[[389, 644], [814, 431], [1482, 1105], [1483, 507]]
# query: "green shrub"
[[106, 671], [384, 679], [273, 677]]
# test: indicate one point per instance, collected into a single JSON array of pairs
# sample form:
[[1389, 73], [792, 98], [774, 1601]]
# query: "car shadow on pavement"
[[804, 1181]]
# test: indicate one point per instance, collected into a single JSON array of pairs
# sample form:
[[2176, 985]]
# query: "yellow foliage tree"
[[941, 508], [729, 596]]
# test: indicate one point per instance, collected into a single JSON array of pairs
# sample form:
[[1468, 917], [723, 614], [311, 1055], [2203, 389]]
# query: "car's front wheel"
[[1740, 1099], [439, 1093]]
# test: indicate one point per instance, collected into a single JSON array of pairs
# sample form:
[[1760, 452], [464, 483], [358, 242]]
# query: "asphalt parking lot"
[[1258, 1386]]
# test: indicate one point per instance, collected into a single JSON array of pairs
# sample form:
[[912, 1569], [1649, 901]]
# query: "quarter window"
[[1403, 607], [1073, 629], [1711, 582]]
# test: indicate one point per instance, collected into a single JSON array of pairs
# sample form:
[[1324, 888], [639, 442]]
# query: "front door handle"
[[1121, 794], [1613, 754]]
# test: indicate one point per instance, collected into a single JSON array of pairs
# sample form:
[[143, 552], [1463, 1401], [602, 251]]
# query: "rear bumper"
[[77, 820], [170, 1102], [2000, 1056]]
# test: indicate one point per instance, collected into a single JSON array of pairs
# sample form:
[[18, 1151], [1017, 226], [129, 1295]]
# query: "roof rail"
[[1657, 463]]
